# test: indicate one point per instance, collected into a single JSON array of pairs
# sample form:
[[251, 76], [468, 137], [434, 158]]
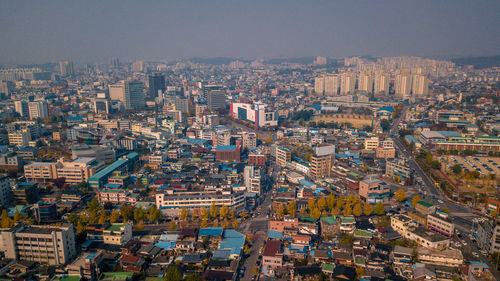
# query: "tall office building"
[[38, 109], [319, 85], [66, 68], [156, 83], [117, 91], [134, 94], [347, 83], [181, 104], [403, 85], [208, 88], [115, 63], [331, 85], [419, 86], [21, 107], [322, 161], [381, 84], [365, 82], [216, 100], [6, 88]]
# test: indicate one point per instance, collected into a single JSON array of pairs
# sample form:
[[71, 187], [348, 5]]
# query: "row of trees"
[[7, 221], [334, 206], [214, 215]]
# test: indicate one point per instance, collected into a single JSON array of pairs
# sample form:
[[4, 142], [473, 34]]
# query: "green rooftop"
[[347, 220], [115, 227], [116, 276], [307, 219], [330, 220], [328, 267], [425, 204], [362, 233], [360, 260]]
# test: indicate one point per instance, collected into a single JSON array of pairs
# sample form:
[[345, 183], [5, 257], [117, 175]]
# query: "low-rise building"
[[441, 222], [117, 234], [445, 257]]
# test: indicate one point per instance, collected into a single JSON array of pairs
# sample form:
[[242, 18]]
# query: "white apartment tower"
[[347, 83], [381, 84], [403, 85], [331, 84], [38, 109], [365, 82], [319, 85]]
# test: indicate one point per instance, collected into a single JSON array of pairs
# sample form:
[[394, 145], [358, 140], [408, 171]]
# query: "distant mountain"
[[478, 62]]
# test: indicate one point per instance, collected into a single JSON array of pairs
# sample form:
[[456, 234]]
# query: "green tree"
[[139, 214], [154, 214], [291, 208], [73, 218], [415, 200], [368, 209], [93, 205], [127, 212], [457, 169], [172, 274], [379, 208], [224, 211], [400, 195], [192, 277], [214, 210], [357, 210], [103, 216]]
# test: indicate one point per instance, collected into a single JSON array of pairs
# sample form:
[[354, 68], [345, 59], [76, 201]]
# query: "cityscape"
[[214, 166]]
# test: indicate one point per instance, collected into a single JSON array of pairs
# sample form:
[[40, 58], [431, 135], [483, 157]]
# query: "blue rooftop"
[[211, 231], [166, 245], [225, 147], [233, 241], [386, 108], [273, 234], [306, 183]]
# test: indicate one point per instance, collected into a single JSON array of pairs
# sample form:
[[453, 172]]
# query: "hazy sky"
[[87, 30]]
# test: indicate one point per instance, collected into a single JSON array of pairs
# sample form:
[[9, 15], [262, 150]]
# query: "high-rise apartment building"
[[420, 86], [319, 85], [6, 89], [36, 243], [21, 107], [365, 82], [332, 84], [322, 161], [156, 83], [347, 83], [134, 94], [38, 109], [403, 85], [66, 68], [381, 84]]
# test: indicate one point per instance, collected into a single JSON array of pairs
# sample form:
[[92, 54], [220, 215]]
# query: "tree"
[[204, 223], [311, 204], [235, 224], [214, 210], [139, 226], [139, 214], [457, 169], [103, 216], [224, 211], [335, 211], [400, 195], [330, 201], [17, 216], [340, 202], [321, 204], [385, 124], [192, 277], [379, 208], [255, 271], [243, 214], [357, 210], [446, 210], [154, 214], [204, 213], [281, 211], [415, 200], [172, 274], [368, 209], [184, 213], [347, 211], [316, 213], [172, 225], [6, 222], [350, 200], [291, 208], [127, 212], [114, 217], [93, 205], [72, 218]]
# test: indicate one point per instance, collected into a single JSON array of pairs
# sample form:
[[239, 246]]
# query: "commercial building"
[[21, 107], [20, 138], [322, 161], [441, 222], [123, 164], [283, 156], [424, 237], [45, 211], [5, 191], [133, 94], [66, 68], [173, 202], [398, 168], [78, 170], [40, 171], [252, 177], [36, 243], [258, 114], [373, 190], [227, 153], [216, 100], [249, 140], [25, 193], [371, 143], [257, 158], [156, 85]]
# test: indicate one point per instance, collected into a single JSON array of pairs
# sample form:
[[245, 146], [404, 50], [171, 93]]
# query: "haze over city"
[[86, 31]]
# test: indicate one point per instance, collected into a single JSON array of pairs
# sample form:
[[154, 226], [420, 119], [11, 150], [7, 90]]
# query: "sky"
[[89, 30]]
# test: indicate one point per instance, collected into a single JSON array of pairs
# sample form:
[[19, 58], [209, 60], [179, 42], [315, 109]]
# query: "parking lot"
[[483, 165]]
